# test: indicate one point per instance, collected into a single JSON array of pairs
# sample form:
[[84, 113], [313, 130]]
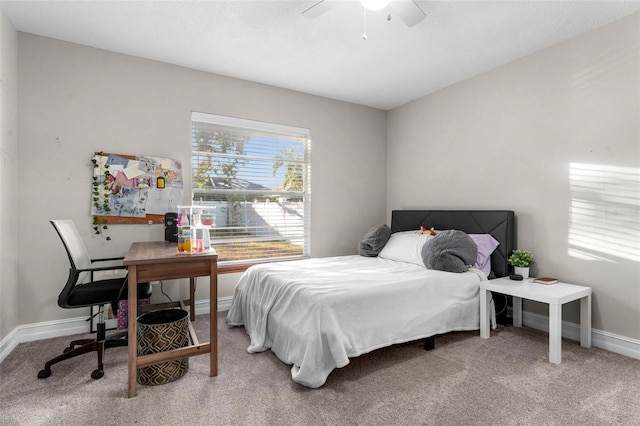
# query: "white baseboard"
[[46, 330], [600, 339], [67, 327], [224, 304]]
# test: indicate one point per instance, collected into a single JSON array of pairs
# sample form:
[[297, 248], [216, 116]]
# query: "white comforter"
[[317, 313]]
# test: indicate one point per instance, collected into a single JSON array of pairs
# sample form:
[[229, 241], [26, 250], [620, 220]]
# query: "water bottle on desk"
[[183, 219], [196, 240]]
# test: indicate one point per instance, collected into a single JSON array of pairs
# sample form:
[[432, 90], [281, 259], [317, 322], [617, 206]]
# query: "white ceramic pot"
[[521, 271]]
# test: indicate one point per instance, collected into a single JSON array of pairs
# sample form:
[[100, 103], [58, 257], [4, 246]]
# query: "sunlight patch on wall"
[[604, 217]]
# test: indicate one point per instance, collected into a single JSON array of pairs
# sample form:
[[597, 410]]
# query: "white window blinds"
[[255, 177]]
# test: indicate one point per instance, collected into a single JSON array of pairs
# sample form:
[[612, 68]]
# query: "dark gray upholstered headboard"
[[499, 223]]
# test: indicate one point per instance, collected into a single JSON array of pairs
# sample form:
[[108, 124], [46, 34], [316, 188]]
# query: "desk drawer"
[[175, 270]]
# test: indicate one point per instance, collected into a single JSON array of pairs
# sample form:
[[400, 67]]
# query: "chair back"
[[76, 250], [79, 259]]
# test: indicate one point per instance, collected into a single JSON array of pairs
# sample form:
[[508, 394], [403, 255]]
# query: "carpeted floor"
[[505, 380]]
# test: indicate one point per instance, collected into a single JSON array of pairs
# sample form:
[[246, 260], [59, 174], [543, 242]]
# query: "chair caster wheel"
[[97, 374], [43, 374]]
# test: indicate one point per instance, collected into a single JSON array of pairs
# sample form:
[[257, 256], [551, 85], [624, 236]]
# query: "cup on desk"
[[197, 240], [207, 219], [196, 246], [184, 239]]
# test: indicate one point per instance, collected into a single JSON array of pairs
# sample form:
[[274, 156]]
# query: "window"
[[255, 177]]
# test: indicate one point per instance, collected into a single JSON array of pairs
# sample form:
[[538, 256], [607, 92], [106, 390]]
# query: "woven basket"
[[159, 331]]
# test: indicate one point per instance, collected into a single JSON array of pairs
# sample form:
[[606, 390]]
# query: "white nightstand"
[[554, 295]]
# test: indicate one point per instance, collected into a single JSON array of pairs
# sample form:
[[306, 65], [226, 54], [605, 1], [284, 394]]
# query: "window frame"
[[259, 129]]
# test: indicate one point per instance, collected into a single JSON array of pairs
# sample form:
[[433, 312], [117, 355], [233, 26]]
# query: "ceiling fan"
[[408, 10]]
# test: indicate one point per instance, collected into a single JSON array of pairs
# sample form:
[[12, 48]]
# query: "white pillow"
[[405, 247]]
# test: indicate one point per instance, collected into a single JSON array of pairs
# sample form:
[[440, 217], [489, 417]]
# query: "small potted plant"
[[521, 260]]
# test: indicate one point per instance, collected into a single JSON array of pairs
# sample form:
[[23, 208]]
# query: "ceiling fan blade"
[[408, 11], [318, 9]]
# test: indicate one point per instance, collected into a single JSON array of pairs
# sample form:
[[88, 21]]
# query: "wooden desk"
[[160, 260]]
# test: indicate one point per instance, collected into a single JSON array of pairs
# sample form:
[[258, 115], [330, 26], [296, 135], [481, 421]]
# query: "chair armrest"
[[107, 259], [102, 268]]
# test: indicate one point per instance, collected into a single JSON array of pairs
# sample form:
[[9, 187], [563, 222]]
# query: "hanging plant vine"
[[100, 194], [100, 226], [101, 191]]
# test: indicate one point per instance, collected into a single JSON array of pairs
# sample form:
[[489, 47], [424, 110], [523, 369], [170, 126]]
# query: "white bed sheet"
[[317, 313]]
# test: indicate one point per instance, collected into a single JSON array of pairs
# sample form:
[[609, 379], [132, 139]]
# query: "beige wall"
[[75, 100], [510, 138], [8, 176], [505, 139]]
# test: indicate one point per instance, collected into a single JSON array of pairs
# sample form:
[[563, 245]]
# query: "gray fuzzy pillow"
[[451, 251], [374, 240]]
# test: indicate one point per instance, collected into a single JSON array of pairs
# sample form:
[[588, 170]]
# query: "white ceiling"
[[271, 42]]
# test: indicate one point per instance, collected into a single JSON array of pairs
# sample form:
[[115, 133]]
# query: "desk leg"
[[132, 334], [213, 318], [585, 321], [484, 314], [555, 333], [517, 311], [192, 299]]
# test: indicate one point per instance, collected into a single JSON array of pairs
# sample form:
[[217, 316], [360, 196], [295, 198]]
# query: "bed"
[[315, 314]]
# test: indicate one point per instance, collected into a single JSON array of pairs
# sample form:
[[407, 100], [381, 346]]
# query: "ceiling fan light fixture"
[[374, 4]]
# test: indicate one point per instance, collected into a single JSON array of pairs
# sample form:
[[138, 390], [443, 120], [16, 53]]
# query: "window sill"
[[241, 267]]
